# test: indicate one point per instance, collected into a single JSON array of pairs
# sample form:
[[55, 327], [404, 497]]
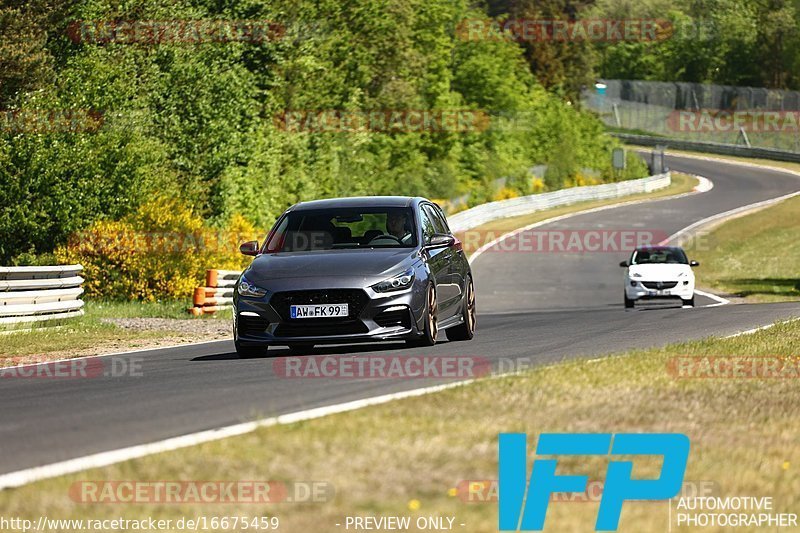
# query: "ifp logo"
[[531, 508]]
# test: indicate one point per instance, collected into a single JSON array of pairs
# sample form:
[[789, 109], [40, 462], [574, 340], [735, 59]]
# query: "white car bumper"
[[636, 289]]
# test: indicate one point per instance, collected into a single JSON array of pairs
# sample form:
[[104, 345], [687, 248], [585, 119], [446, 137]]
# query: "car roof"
[[358, 201], [658, 248]]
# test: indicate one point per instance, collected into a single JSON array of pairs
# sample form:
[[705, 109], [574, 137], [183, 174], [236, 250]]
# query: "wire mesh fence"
[[749, 116]]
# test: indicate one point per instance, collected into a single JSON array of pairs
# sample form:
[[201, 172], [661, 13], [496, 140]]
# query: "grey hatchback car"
[[343, 270]]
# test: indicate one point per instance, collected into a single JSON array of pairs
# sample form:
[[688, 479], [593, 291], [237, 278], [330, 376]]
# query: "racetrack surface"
[[533, 307]]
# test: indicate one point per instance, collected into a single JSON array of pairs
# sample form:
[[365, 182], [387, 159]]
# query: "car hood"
[[364, 264], [663, 272]]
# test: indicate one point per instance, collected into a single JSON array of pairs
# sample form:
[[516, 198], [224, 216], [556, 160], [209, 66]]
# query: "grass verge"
[[409, 457], [109, 327], [112, 326], [756, 256]]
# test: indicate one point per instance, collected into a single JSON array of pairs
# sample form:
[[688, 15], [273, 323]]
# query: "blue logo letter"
[[619, 486]]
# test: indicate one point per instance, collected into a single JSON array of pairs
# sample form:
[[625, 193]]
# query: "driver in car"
[[398, 226]]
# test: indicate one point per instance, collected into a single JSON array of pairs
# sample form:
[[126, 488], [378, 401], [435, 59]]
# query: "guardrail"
[[217, 294], [710, 147], [39, 293], [524, 205]]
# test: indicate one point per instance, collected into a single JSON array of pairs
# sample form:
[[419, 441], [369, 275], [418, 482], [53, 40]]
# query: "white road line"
[[22, 477], [760, 328], [703, 186], [29, 475], [679, 236], [719, 299]]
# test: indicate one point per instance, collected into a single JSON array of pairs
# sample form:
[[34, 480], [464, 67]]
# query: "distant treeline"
[[105, 106]]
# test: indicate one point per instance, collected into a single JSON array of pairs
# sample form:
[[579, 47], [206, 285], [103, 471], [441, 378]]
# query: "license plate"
[[658, 293], [319, 311]]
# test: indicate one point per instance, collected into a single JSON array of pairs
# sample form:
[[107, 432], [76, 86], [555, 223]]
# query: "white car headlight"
[[396, 283], [636, 275], [245, 288]]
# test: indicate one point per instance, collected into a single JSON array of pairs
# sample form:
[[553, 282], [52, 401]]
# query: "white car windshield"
[[655, 256]]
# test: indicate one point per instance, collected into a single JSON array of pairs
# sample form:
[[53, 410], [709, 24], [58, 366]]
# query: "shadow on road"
[[282, 351]]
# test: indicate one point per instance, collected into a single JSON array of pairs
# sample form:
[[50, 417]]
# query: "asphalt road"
[[533, 308]]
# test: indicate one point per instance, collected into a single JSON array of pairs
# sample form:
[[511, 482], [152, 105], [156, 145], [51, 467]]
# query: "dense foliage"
[[730, 42], [197, 120]]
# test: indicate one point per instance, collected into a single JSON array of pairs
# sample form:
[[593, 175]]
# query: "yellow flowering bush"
[[505, 193], [160, 251]]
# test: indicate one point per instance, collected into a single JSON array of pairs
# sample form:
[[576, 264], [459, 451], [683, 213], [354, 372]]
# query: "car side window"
[[438, 220], [428, 229], [276, 239]]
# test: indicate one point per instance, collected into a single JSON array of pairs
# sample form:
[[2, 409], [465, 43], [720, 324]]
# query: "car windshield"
[[659, 256], [341, 228]]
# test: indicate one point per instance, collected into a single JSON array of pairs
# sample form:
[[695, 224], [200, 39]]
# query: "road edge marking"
[[98, 460], [512, 233], [71, 466]]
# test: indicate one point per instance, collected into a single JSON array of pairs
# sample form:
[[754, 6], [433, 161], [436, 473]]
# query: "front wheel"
[[628, 302], [250, 352], [466, 330], [431, 321], [689, 302]]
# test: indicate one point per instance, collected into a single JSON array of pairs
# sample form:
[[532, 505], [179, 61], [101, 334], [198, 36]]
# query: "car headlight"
[[245, 288], [681, 274], [636, 275], [396, 283]]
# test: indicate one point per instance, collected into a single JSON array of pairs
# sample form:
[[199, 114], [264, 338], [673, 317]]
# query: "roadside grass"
[[407, 457], [756, 256], [99, 331], [681, 183]]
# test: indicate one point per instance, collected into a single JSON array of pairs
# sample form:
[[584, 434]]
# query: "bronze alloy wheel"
[[466, 330], [433, 321]]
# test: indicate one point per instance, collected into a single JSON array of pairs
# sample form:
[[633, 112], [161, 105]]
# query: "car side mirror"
[[440, 240], [624, 264], [694, 264], [249, 248]]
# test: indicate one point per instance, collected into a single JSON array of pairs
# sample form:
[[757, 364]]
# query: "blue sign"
[[521, 513]]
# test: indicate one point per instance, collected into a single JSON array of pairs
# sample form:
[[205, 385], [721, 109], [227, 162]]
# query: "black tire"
[[628, 302], [466, 330], [689, 302], [250, 352], [301, 349], [431, 322]]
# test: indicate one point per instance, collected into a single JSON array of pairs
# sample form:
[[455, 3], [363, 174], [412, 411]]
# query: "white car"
[[657, 272]]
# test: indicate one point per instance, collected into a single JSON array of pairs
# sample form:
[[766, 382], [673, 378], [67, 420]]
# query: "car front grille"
[[320, 328], [659, 285], [355, 299]]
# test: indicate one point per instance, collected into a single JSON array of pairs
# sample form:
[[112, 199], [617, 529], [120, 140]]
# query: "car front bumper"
[[373, 317], [640, 292]]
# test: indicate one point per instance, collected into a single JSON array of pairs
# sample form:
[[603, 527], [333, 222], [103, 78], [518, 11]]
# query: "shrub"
[[162, 250]]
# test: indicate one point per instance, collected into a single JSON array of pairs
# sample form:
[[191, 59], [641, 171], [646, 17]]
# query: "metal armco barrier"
[[39, 293], [217, 294], [524, 205], [709, 147]]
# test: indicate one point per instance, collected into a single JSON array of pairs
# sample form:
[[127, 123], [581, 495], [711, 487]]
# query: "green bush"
[[197, 121]]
